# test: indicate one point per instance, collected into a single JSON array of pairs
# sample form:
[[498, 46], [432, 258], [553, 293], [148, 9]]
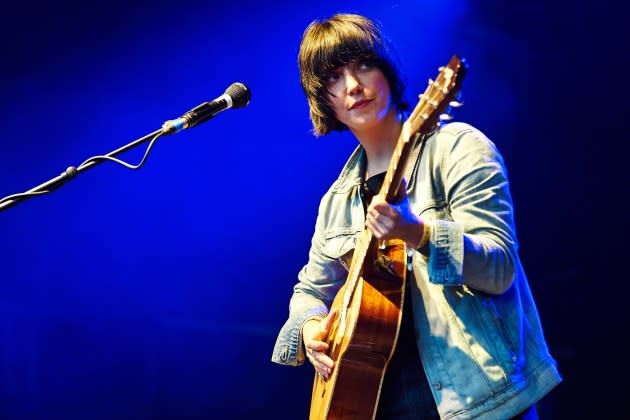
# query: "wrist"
[[419, 236], [311, 321], [424, 236]]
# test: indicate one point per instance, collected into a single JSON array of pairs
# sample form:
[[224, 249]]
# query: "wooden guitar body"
[[363, 351]]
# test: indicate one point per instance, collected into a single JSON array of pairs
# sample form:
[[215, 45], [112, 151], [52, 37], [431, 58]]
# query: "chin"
[[367, 121]]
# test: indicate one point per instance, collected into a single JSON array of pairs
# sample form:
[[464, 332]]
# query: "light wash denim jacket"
[[476, 324]]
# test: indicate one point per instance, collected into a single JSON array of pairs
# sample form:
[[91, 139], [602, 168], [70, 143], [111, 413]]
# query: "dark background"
[[159, 293]]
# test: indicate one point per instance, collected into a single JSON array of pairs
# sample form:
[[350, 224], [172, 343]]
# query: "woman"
[[470, 344]]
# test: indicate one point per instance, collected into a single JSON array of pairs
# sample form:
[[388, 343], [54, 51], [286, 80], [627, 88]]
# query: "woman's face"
[[359, 95]]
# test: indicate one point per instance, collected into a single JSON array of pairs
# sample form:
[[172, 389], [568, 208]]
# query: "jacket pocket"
[[499, 327], [485, 333], [340, 241]]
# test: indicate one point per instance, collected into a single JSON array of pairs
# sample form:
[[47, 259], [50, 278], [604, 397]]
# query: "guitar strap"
[[414, 159]]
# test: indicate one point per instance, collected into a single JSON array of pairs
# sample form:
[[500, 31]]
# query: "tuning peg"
[[440, 68], [456, 104], [445, 117]]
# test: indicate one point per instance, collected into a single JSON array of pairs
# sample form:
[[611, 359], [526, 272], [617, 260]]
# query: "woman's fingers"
[[380, 228], [322, 363], [316, 348], [315, 345], [318, 353], [327, 323]]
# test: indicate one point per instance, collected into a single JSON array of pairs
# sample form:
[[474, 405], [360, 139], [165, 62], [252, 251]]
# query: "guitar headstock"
[[440, 96]]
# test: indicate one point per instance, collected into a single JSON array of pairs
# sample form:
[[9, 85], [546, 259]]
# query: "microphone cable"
[[236, 95]]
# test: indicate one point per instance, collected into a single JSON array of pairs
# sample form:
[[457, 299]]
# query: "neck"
[[379, 142]]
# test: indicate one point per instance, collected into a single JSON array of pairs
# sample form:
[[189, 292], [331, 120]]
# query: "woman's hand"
[[394, 221], [314, 332]]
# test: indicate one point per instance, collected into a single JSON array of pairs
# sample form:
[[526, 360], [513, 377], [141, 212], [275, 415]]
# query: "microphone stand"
[[71, 173], [237, 95]]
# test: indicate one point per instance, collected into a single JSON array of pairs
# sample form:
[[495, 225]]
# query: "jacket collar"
[[354, 170]]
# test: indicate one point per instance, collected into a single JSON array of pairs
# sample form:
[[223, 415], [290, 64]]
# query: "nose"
[[353, 84]]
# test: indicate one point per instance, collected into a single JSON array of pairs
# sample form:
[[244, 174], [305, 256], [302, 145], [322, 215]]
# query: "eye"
[[366, 65], [331, 78]]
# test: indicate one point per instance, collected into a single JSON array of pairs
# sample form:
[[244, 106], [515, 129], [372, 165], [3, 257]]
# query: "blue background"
[[159, 293]]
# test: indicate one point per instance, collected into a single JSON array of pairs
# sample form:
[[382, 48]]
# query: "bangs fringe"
[[335, 43]]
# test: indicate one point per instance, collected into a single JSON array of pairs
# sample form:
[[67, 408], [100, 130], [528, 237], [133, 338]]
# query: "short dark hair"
[[331, 43]]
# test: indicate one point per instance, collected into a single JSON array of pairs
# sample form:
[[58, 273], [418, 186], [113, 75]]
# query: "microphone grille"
[[239, 93]]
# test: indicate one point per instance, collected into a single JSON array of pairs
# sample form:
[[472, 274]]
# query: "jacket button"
[[437, 386]]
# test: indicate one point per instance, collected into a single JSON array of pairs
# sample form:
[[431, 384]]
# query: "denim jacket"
[[476, 325]]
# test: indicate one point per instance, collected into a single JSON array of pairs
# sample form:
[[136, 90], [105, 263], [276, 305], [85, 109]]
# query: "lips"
[[360, 104]]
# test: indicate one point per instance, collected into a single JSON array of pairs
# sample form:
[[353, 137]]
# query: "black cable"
[[121, 162], [72, 171], [22, 195]]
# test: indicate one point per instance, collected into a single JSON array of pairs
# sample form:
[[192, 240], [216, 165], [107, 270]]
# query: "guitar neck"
[[397, 165], [424, 118]]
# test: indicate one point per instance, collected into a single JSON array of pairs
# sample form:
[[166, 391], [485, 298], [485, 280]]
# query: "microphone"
[[235, 96]]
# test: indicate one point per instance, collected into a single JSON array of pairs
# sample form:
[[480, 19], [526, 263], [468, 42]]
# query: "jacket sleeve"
[[478, 247], [319, 281]]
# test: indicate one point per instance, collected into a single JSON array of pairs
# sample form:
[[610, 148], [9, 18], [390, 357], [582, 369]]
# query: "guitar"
[[363, 337]]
